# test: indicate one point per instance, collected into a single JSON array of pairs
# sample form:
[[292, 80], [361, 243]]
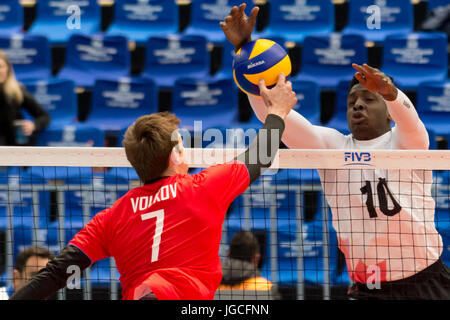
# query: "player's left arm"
[[410, 130]]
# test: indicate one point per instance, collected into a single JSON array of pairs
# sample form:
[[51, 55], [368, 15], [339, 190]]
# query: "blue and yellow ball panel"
[[260, 59]]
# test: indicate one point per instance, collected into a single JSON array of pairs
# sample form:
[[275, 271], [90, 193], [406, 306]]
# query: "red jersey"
[[165, 236]]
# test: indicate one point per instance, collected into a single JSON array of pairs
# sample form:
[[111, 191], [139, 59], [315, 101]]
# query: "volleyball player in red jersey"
[[165, 235]]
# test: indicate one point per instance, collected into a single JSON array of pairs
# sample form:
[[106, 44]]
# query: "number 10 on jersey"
[[159, 215]]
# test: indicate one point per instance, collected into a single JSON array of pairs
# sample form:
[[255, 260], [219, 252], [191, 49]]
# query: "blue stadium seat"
[[84, 196], [433, 4], [11, 17], [226, 68], [58, 173], [213, 102], [339, 118], [327, 60], [102, 273], [58, 20], [257, 205], [433, 139], [205, 18], [29, 55], [433, 106], [95, 57], [138, 20], [308, 100], [442, 216], [415, 58], [29, 208], [172, 57], [394, 18], [72, 135], [127, 173], [57, 97], [297, 19], [118, 103]]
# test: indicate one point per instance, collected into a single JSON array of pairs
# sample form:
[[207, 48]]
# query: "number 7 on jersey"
[[159, 215]]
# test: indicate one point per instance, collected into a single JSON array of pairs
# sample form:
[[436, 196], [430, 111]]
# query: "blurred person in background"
[[240, 269], [14, 98], [28, 263]]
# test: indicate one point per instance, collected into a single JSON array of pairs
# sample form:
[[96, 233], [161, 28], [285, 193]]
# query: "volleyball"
[[258, 59]]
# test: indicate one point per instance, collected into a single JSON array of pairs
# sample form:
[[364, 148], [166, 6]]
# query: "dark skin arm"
[[237, 27], [376, 81]]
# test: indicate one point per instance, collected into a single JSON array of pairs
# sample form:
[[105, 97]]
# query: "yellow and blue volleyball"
[[258, 59]]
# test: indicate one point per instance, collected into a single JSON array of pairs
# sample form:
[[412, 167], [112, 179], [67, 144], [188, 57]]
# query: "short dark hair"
[[243, 246], [355, 81], [33, 251], [149, 142]]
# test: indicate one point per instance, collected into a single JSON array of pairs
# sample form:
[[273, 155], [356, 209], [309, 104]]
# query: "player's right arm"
[[299, 133], [225, 182]]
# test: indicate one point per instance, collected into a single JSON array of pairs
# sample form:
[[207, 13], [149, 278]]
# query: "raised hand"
[[280, 99], [237, 27], [376, 81]]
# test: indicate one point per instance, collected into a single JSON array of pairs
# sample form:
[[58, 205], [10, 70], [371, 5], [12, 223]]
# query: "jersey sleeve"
[[92, 239], [410, 131], [224, 182]]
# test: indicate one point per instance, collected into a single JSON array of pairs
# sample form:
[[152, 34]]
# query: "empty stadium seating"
[[327, 59], [308, 100], [169, 58], [30, 55], [58, 20], [415, 58], [138, 20], [28, 208], [433, 106], [116, 104], [205, 18], [11, 17], [295, 20], [377, 19], [213, 102], [432, 4], [339, 118], [59, 99], [95, 57]]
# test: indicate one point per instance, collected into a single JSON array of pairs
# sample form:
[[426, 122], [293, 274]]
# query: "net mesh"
[[297, 223]]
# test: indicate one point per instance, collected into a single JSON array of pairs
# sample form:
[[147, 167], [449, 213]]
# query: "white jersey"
[[384, 219]]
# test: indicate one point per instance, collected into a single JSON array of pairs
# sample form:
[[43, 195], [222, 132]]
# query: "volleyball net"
[[298, 210]]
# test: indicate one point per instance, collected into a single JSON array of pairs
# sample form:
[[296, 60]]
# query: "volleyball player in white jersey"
[[384, 219]]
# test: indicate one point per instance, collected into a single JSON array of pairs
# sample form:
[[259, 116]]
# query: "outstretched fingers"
[[362, 79], [253, 15], [242, 8]]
